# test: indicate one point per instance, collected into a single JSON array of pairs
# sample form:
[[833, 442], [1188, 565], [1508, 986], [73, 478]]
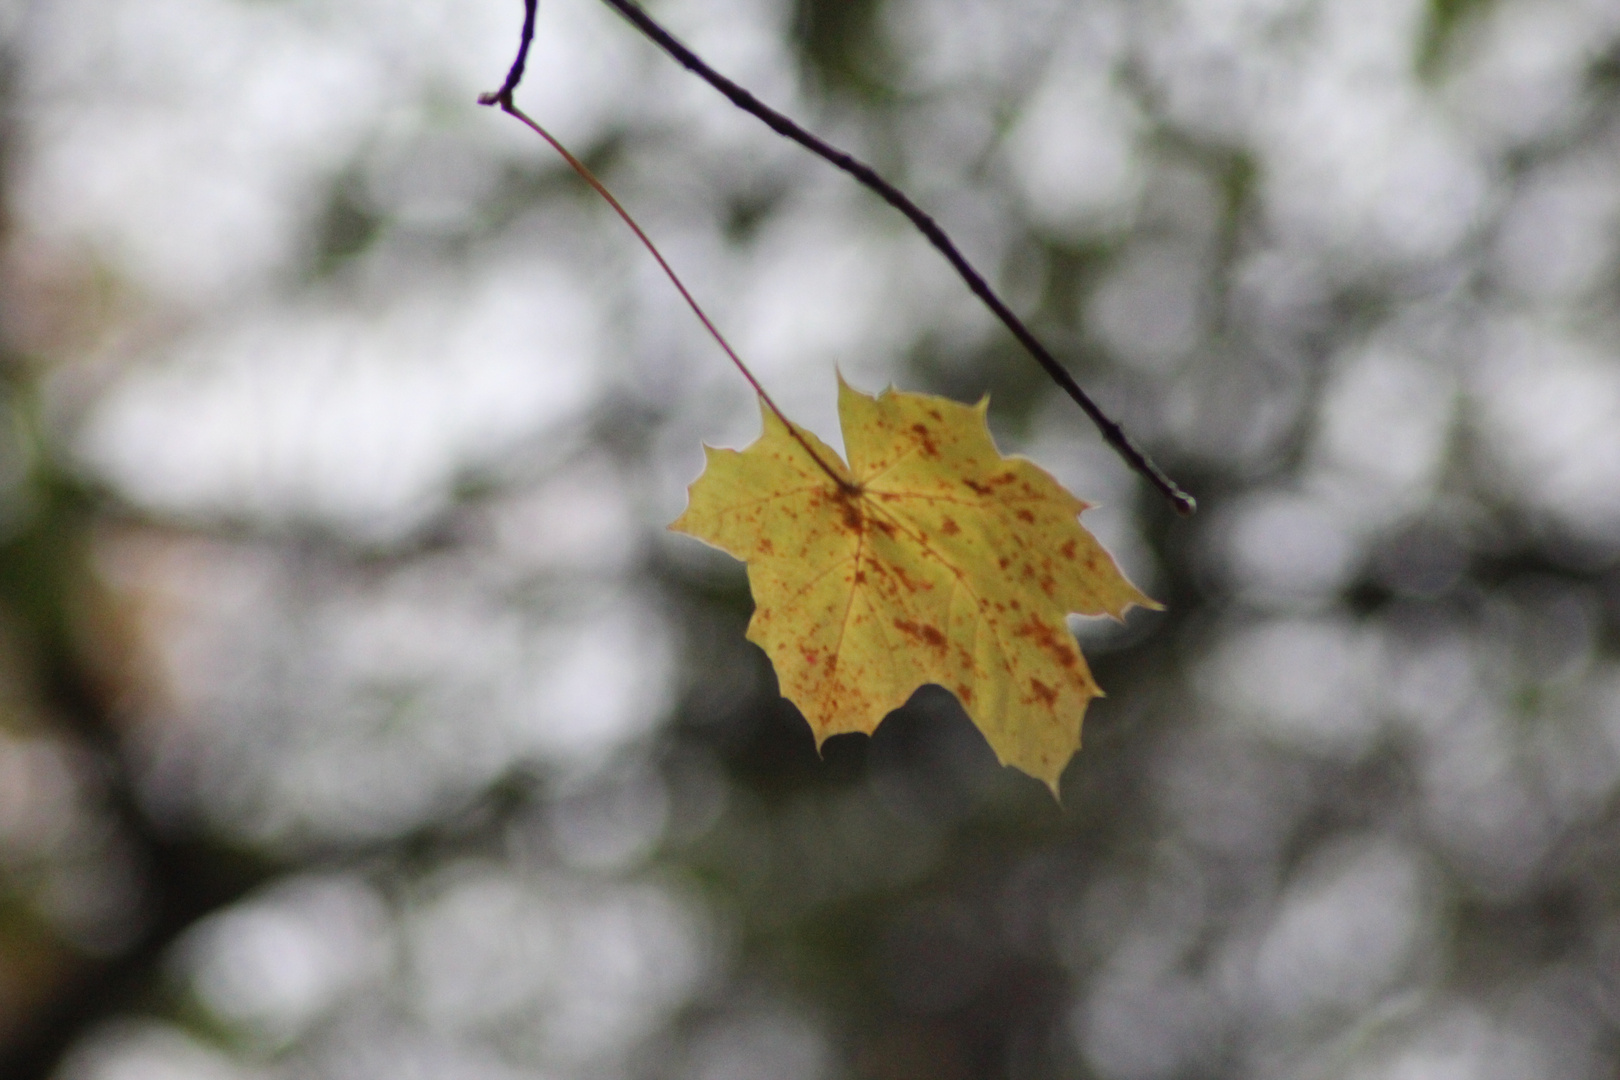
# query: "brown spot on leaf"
[[906, 581], [950, 528], [1045, 694], [926, 634], [1060, 646], [925, 440], [1026, 516]]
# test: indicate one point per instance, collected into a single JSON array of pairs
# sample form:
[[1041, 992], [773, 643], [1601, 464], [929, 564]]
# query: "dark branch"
[[1111, 431], [514, 74]]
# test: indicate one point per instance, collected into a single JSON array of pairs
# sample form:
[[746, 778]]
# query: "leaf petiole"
[[503, 98]]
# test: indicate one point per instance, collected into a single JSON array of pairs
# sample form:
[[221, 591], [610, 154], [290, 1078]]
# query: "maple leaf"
[[928, 558]]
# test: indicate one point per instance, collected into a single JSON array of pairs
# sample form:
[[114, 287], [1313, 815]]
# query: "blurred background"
[[359, 719]]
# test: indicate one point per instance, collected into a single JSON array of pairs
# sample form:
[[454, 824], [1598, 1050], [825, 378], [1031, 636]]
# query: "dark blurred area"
[[360, 719]]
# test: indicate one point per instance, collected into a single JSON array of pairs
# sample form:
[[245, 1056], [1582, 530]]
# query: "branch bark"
[[1110, 429]]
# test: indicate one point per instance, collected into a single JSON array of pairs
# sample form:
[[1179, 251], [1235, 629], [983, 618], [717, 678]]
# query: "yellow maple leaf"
[[930, 558]]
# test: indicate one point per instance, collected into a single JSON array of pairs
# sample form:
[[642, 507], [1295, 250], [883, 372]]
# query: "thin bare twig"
[[514, 74], [1111, 431]]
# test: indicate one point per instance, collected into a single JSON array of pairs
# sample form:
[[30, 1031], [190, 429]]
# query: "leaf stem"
[[503, 97]]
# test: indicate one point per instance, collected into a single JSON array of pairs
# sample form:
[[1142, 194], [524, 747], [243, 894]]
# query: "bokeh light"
[[360, 719]]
